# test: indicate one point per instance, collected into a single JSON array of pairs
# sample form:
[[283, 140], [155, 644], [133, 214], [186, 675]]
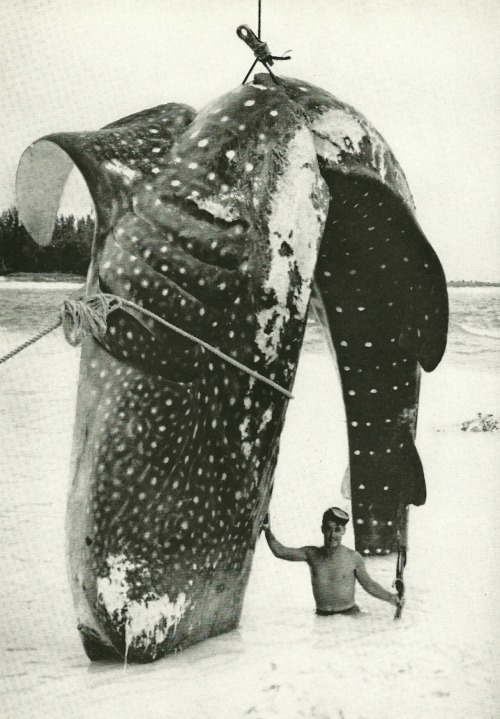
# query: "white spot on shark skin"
[[296, 219], [245, 445], [408, 417], [120, 169], [244, 427], [247, 448], [146, 622], [266, 418]]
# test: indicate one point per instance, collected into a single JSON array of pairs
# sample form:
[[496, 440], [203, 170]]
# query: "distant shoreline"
[[67, 277], [41, 277], [471, 283]]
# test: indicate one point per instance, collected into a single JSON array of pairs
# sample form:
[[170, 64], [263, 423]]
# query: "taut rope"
[[31, 341], [89, 316]]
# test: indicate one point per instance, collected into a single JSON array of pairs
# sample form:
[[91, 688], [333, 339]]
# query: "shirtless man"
[[334, 568]]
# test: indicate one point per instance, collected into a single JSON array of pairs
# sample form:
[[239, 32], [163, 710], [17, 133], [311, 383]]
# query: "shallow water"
[[440, 660], [474, 336], [475, 326]]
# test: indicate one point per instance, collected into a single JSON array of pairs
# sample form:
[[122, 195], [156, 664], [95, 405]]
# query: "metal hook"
[[261, 51], [259, 48]]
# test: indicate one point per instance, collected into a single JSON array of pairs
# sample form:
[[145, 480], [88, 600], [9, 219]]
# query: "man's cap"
[[335, 514]]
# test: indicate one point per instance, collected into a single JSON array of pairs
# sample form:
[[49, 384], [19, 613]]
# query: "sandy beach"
[[440, 660]]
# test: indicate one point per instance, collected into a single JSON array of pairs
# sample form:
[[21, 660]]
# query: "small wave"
[[476, 331]]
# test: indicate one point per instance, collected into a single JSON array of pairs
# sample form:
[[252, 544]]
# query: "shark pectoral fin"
[[380, 291], [414, 489], [110, 160], [424, 325]]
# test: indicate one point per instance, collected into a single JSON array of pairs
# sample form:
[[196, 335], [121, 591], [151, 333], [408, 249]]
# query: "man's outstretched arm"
[[299, 554], [371, 586]]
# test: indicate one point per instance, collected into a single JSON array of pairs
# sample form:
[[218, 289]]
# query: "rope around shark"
[[88, 315]]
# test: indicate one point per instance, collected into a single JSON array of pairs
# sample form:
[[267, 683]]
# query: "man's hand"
[[397, 601]]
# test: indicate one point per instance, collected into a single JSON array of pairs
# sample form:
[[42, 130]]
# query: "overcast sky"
[[425, 72]]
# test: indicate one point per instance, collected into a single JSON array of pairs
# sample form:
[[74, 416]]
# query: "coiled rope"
[[88, 315]]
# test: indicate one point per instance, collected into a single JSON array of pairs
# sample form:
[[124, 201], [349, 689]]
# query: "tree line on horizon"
[[471, 283], [69, 251]]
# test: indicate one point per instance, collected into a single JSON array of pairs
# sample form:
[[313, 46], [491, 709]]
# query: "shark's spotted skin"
[[220, 222], [374, 276], [382, 296]]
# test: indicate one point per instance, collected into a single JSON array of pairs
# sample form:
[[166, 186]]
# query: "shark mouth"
[[231, 223]]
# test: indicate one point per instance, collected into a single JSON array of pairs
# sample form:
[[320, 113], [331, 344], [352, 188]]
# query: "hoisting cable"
[[259, 29]]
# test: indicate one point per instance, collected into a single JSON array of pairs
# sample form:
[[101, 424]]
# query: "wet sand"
[[440, 660]]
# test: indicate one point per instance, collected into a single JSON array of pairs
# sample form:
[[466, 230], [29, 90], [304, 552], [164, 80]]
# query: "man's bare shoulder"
[[354, 553], [357, 559], [312, 553]]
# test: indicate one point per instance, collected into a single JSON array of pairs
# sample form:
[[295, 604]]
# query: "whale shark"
[[232, 223]]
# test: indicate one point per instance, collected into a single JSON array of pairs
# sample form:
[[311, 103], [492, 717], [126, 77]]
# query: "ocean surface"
[[474, 335], [440, 661], [473, 340]]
